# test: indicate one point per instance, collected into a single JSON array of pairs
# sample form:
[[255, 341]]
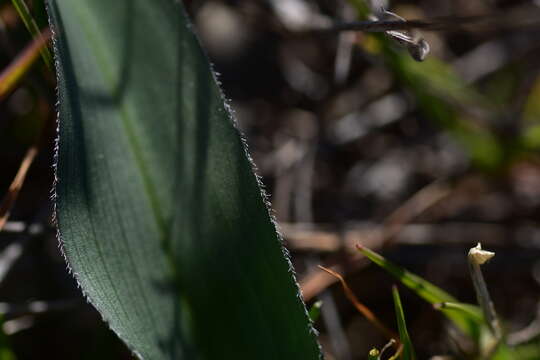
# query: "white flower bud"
[[480, 256]]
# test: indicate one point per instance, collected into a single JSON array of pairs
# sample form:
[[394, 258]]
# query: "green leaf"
[[429, 292], [472, 311], [421, 287], [160, 215], [408, 350]]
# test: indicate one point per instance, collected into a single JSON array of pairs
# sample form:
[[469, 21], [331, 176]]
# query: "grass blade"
[[11, 76], [33, 28], [468, 310], [421, 287], [160, 215], [429, 292], [408, 350]]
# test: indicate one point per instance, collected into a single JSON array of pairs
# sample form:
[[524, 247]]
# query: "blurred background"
[[356, 142]]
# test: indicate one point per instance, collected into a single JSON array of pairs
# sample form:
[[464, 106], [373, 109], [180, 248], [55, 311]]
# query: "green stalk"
[[477, 257]]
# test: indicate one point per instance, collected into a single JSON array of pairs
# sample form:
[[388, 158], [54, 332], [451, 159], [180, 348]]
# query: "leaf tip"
[[362, 249]]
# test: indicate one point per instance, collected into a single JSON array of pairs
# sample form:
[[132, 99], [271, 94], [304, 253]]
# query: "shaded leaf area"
[[160, 215]]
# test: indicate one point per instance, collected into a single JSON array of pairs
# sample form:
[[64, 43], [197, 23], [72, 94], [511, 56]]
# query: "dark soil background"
[[352, 146]]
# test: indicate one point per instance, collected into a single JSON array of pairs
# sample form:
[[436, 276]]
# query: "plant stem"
[[477, 257]]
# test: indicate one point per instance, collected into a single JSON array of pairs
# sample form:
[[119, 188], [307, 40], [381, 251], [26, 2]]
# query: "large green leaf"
[[160, 215]]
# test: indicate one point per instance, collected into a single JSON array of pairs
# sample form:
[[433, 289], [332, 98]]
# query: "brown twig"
[[416, 205], [18, 67], [497, 21], [13, 192], [38, 307], [368, 314], [397, 353], [394, 223]]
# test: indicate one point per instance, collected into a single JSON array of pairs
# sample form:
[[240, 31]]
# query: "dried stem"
[[13, 192], [361, 307], [11, 75], [445, 23]]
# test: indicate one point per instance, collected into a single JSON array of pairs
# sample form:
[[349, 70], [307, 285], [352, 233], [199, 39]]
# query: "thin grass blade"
[[10, 77], [33, 29], [408, 349], [429, 292], [469, 310], [423, 288]]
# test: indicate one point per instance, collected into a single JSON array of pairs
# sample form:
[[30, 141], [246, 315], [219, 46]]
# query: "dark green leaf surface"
[[160, 215]]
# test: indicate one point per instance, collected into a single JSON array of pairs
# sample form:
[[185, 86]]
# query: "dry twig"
[[13, 192], [368, 314]]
